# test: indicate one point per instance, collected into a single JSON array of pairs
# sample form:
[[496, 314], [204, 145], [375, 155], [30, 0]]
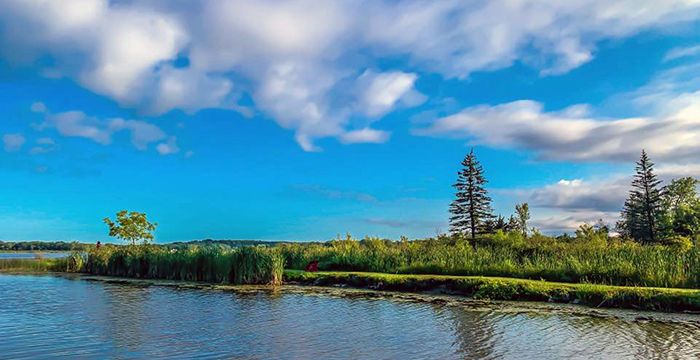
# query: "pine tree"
[[642, 210], [472, 206]]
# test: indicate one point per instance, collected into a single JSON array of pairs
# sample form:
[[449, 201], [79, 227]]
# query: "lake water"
[[33, 255], [56, 317]]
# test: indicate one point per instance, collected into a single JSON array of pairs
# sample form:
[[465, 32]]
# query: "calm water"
[[54, 317], [32, 255]]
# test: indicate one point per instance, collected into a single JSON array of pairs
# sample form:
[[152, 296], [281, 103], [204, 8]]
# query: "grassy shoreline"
[[499, 288], [264, 266]]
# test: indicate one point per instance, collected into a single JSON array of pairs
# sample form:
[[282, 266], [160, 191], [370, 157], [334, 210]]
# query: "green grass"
[[244, 265], [33, 265], [601, 261], [498, 288]]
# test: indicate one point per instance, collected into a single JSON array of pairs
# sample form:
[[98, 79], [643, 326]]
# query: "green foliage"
[[33, 265], [243, 265], [642, 215], [681, 243], [471, 209], [131, 227], [523, 212], [42, 246], [588, 257], [681, 208], [513, 289]]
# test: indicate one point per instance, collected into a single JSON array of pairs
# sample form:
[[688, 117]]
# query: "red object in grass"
[[312, 266]]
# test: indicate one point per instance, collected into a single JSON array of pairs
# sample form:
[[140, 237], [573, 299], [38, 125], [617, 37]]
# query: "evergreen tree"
[[472, 206], [494, 224], [642, 211]]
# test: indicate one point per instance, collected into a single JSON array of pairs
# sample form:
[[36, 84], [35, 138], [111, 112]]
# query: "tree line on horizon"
[[652, 213]]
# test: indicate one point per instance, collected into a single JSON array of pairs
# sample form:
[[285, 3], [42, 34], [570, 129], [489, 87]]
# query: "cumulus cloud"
[[573, 135], [13, 142], [301, 61], [381, 92], [568, 221], [567, 204], [79, 124]]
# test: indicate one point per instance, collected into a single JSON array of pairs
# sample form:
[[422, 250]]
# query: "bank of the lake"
[[477, 287], [498, 288]]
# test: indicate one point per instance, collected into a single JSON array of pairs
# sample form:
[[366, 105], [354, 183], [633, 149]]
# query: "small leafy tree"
[[642, 213], [472, 206], [131, 227], [681, 207], [523, 211]]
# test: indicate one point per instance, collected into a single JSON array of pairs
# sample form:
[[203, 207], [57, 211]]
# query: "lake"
[[57, 317]]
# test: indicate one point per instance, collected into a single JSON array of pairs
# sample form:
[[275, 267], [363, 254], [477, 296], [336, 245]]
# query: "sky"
[[307, 120]]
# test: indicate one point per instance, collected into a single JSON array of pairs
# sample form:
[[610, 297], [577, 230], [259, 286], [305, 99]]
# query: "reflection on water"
[[53, 317]]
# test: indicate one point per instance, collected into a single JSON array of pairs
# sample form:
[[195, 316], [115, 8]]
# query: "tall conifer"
[[472, 206], [642, 210]]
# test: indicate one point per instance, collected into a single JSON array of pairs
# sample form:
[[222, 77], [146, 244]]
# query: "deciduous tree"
[[131, 227]]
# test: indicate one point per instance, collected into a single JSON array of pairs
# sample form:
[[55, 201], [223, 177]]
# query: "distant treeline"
[[77, 246], [42, 246], [225, 243]]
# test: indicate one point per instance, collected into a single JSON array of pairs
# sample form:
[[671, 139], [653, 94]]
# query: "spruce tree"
[[471, 208], [642, 210]]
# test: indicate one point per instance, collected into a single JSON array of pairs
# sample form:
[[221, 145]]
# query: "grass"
[[574, 260], [244, 265], [33, 265], [498, 288]]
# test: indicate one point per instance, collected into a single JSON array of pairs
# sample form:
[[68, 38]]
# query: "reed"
[[245, 265], [598, 261], [33, 265]]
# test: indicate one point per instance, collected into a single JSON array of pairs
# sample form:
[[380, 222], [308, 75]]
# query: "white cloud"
[[380, 92], [457, 38], [572, 135], [13, 142], [38, 107], [79, 124], [43, 145], [365, 135], [568, 221], [300, 60], [168, 148], [566, 204], [682, 52]]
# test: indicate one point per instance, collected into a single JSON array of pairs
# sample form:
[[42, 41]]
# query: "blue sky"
[[301, 121]]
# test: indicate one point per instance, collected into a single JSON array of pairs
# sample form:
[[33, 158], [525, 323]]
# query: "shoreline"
[[428, 298], [469, 288], [511, 289]]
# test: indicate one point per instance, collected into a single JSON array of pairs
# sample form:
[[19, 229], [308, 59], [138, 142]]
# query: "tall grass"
[[37, 265], [245, 265], [509, 255]]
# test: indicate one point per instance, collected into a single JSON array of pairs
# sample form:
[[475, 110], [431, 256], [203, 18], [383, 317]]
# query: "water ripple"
[[53, 317]]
